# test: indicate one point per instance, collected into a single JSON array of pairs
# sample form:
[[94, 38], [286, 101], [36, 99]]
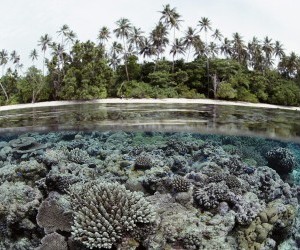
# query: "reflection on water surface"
[[158, 117]]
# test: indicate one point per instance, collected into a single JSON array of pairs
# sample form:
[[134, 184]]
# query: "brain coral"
[[105, 212]]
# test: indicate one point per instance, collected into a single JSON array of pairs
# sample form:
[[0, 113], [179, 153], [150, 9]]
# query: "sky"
[[22, 22]]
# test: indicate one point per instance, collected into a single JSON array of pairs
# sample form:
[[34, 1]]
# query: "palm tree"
[[171, 18], [71, 36], [289, 65], [136, 38], [123, 30], [199, 47], [63, 32], [58, 51], [104, 35], [33, 55], [177, 48], [278, 50], [254, 54], [268, 49], [226, 48], [217, 35], [116, 48], [44, 42], [205, 25], [213, 49], [114, 60], [190, 39], [159, 38], [3, 62], [15, 58], [147, 49], [239, 48]]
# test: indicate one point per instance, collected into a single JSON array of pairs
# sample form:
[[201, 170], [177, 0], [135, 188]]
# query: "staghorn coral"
[[105, 212], [180, 184], [281, 160]]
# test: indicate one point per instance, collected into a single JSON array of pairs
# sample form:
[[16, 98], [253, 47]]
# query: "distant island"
[[168, 62]]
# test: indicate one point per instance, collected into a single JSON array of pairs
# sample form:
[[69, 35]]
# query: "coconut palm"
[[213, 49], [63, 32], [147, 49], [159, 38], [289, 65], [116, 48], [33, 55], [268, 49], [239, 48], [3, 61], [200, 49], [278, 49], [254, 54], [58, 51], [71, 36], [136, 38], [104, 35], [189, 40], [114, 60], [177, 48], [15, 58], [44, 42], [217, 35], [205, 25], [171, 18], [226, 47], [122, 31]]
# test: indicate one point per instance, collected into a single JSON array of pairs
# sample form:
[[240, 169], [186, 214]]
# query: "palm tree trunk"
[[3, 89], [125, 59], [173, 64], [44, 63], [187, 60]]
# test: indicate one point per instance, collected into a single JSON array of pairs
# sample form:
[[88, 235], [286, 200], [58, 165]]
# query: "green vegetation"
[[127, 63]]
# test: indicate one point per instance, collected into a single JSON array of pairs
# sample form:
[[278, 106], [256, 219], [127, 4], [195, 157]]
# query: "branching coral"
[[105, 212]]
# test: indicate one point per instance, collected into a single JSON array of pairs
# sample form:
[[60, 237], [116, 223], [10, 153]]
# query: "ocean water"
[[150, 177]]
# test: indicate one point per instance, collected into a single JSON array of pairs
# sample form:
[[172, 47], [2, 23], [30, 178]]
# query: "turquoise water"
[[149, 177]]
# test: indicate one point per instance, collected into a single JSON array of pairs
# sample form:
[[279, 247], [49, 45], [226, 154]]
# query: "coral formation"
[[143, 162], [105, 212], [281, 160], [187, 191], [52, 216], [272, 223], [77, 155], [180, 184], [53, 241]]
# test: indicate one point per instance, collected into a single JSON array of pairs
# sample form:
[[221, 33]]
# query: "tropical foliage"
[[170, 61]]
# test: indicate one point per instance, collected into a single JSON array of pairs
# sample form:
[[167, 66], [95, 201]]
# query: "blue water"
[[179, 173], [149, 176]]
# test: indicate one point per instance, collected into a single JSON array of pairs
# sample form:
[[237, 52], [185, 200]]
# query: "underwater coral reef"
[[148, 190]]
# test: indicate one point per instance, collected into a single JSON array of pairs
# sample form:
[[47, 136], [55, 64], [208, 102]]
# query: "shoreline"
[[148, 101]]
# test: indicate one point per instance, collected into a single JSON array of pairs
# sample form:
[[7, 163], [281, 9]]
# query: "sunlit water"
[[212, 175]]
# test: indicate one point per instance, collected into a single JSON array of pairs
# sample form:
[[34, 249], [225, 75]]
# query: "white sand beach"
[[158, 101]]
